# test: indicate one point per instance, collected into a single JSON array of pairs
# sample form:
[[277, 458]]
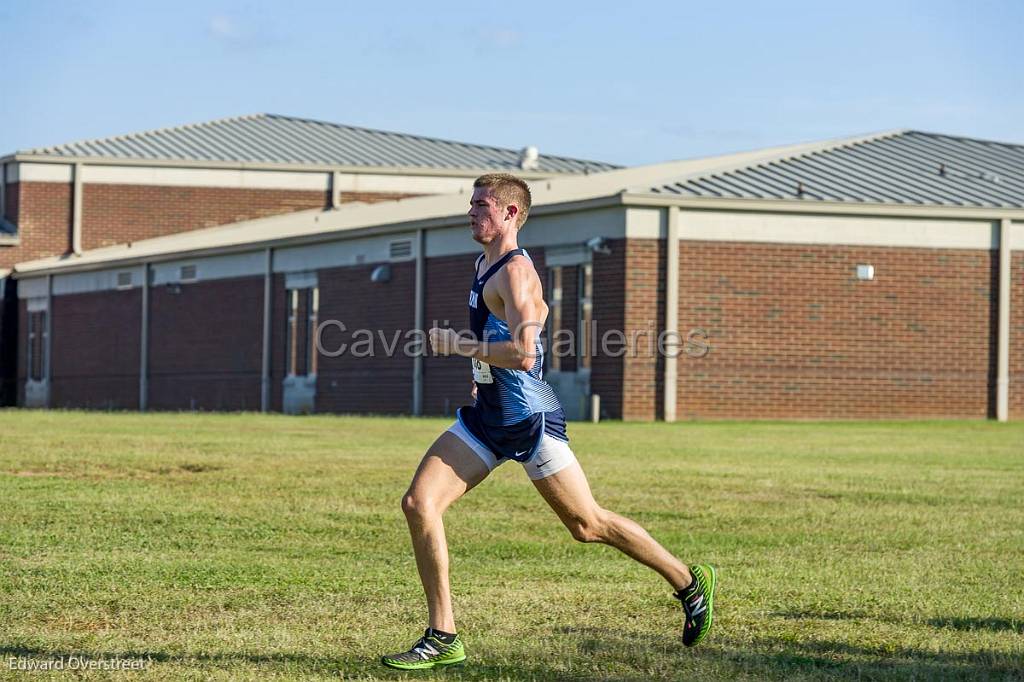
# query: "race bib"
[[482, 372]]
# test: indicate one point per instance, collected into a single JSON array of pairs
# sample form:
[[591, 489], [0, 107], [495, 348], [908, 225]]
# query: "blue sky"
[[623, 82]]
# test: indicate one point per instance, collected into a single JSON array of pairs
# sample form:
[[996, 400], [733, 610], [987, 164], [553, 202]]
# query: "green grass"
[[248, 546]]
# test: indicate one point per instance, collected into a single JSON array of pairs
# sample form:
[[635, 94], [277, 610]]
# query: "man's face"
[[488, 218]]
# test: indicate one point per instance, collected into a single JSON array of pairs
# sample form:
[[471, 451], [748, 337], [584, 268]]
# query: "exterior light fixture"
[[598, 245], [381, 273]]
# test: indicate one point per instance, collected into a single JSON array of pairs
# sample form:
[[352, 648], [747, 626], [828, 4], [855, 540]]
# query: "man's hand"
[[446, 341]]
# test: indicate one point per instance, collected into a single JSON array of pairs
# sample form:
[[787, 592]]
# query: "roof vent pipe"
[[528, 158]]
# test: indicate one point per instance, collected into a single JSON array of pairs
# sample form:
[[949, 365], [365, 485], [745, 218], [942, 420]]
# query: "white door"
[[300, 350], [37, 384]]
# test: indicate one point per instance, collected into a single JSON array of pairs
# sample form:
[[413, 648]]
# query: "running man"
[[516, 417]]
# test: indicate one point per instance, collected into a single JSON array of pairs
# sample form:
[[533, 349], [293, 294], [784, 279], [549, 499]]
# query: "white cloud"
[[224, 27]]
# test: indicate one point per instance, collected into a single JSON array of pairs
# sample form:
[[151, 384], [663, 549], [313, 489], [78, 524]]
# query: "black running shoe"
[[699, 604]]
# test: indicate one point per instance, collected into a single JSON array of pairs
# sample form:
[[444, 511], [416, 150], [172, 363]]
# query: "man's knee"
[[589, 528], [417, 505]]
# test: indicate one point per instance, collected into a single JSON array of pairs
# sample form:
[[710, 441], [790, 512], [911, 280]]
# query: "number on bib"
[[482, 372]]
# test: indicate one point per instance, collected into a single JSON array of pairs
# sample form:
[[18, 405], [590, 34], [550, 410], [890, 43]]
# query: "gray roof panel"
[[905, 167], [270, 138]]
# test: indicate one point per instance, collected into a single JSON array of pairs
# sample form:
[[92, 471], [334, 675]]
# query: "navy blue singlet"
[[514, 408]]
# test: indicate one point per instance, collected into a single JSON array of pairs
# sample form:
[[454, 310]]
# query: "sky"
[[623, 82]]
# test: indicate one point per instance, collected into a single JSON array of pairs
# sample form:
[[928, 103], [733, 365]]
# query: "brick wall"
[[642, 365], [357, 381], [447, 381], [609, 298], [795, 334], [1017, 335], [95, 350], [628, 307], [42, 212], [205, 345], [374, 197], [114, 214]]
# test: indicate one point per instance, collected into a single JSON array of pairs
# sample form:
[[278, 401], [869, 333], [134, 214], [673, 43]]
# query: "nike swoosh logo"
[[521, 453], [541, 464]]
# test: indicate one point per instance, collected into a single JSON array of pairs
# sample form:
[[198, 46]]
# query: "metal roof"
[[275, 139], [639, 185], [902, 167]]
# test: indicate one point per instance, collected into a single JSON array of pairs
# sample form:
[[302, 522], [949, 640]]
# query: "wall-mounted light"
[[865, 272], [381, 273], [599, 245]]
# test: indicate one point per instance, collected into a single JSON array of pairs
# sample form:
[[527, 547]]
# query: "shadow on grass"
[[964, 624], [993, 624], [296, 663], [323, 663], [625, 655], [767, 658]]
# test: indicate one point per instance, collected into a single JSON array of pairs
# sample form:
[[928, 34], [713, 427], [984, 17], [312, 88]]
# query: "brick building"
[[68, 199], [879, 276]]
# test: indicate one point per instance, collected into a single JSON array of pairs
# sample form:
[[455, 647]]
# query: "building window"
[[36, 361], [570, 314], [303, 310]]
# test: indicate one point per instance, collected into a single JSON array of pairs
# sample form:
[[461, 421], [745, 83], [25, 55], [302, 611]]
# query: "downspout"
[[417, 360], [673, 344], [1003, 341], [336, 189], [144, 343], [47, 352], [76, 211], [268, 278]]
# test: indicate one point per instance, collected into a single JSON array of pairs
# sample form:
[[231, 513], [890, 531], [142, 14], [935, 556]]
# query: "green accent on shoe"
[[427, 653], [699, 604]]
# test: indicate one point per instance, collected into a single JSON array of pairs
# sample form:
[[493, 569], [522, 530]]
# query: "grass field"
[[248, 546]]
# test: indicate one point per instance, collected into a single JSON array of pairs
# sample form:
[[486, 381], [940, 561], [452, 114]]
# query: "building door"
[[303, 305], [570, 326], [37, 360]]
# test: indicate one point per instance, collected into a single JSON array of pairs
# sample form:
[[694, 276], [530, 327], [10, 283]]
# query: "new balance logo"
[[425, 650], [474, 297], [697, 606]]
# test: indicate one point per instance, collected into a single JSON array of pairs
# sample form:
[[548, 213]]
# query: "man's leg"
[[448, 470], [568, 494]]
